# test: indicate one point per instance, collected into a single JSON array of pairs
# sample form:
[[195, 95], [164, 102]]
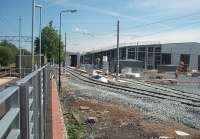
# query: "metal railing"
[[23, 107]]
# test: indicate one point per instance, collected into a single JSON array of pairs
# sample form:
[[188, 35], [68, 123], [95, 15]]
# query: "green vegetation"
[[8, 52], [75, 123], [11, 46], [6, 56], [76, 128], [50, 43], [76, 131], [74, 120]]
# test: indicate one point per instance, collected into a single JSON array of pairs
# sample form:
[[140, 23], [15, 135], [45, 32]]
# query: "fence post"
[[47, 105], [35, 83], [44, 104], [41, 105], [24, 111]]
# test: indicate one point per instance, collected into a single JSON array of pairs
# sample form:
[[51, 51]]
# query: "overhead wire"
[[144, 25], [164, 20], [11, 27], [167, 30]]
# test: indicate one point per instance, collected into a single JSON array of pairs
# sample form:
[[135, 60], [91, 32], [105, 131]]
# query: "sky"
[[94, 24]]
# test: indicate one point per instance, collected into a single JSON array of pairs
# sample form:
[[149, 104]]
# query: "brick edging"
[[58, 126]]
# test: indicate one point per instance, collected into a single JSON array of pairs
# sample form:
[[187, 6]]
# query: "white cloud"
[[166, 37], [166, 6], [81, 31], [189, 35], [56, 2], [161, 8], [112, 12]]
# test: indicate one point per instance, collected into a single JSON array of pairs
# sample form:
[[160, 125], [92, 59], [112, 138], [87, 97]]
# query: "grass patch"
[[75, 126], [76, 131]]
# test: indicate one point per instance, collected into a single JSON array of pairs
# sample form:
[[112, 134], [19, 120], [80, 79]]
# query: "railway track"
[[7, 71], [177, 96], [163, 88]]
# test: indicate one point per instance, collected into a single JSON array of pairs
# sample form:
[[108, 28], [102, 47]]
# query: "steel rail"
[[177, 93], [195, 103], [165, 88]]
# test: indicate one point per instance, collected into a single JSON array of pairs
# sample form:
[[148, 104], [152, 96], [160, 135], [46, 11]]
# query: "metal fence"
[[23, 107]]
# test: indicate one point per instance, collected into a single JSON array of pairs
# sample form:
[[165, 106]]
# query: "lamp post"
[[40, 36], [63, 11], [32, 42]]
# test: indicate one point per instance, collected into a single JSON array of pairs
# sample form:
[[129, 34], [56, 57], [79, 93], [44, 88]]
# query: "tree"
[[6, 56], [12, 47], [50, 45]]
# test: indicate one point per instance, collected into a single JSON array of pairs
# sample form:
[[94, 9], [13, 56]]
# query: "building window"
[[198, 62], [166, 59], [185, 58], [112, 55], [122, 53], [141, 54], [131, 53], [157, 56]]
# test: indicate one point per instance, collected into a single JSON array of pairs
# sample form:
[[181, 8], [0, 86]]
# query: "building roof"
[[121, 45], [139, 44]]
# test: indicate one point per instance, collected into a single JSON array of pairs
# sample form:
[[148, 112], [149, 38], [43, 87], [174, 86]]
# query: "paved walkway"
[[57, 121]]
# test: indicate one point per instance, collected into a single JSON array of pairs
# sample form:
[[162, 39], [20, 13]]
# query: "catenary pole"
[[65, 49], [40, 36], [117, 50], [20, 55]]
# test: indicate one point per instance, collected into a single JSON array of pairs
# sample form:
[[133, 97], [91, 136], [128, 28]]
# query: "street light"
[[40, 36], [63, 11], [32, 42]]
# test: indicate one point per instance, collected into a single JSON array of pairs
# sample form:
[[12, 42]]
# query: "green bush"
[[12, 47], [6, 56], [75, 126], [76, 130]]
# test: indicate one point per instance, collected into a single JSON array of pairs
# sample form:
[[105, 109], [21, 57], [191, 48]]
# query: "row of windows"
[[166, 58], [132, 53]]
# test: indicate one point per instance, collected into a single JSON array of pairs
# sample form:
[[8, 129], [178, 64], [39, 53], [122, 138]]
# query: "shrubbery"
[[6, 56]]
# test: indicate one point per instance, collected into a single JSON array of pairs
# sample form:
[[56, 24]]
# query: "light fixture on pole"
[[40, 33], [59, 53]]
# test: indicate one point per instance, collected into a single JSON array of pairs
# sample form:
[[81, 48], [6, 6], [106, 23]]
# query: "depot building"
[[146, 55]]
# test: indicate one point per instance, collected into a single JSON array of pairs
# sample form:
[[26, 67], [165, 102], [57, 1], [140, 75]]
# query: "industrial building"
[[26, 63], [72, 59], [147, 55]]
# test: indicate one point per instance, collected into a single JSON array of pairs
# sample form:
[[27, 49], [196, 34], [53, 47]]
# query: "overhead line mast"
[[117, 50]]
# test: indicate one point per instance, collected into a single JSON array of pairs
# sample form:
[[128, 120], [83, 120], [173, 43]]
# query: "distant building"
[[152, 55], [26, 63], [72, 59]]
